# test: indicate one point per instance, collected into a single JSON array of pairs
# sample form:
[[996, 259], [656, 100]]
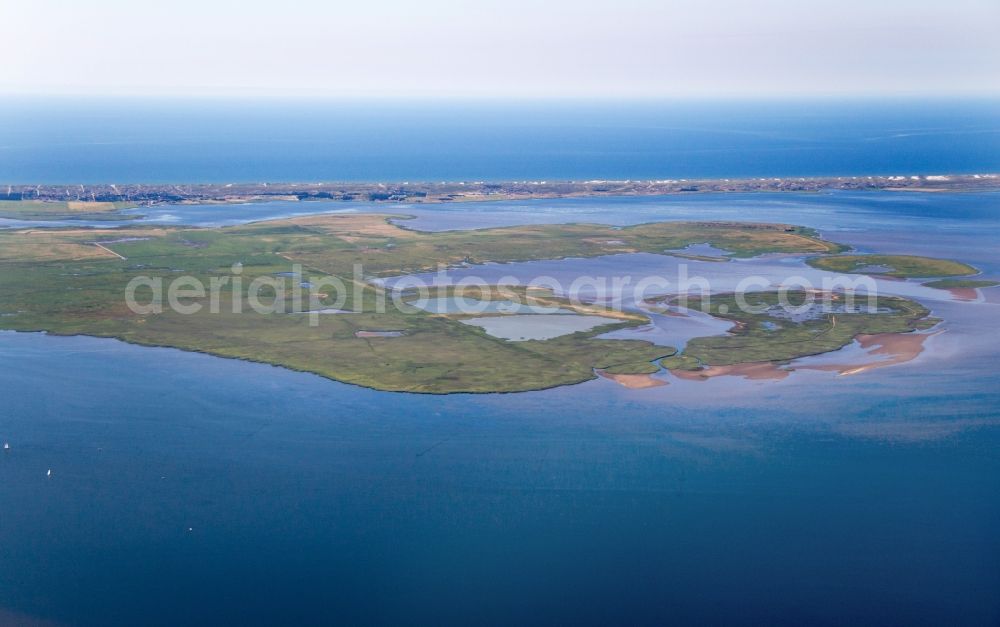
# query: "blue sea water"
[[130, 141], [188, 489], [192, 490]]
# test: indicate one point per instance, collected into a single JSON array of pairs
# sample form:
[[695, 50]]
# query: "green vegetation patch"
[[642, 367], [900, 266], [70, 210], [948, 284], [681, 361], [58, 280], [769, 333]]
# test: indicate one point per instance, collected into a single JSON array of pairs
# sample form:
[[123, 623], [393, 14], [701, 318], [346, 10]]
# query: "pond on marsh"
[[522, 327]]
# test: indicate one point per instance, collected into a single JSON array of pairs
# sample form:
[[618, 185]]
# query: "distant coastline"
[[472, 191]]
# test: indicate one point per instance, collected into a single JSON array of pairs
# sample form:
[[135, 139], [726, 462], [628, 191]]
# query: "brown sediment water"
[[964, 293], [634, 381], [751, 370]]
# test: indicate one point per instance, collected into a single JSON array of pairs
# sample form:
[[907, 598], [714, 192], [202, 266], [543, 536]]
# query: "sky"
[[501, 48]]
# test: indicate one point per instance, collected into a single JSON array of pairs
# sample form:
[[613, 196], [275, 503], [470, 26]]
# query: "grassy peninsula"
[[898, 266]]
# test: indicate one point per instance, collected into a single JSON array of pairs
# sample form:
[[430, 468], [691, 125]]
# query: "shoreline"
[[479, 191]]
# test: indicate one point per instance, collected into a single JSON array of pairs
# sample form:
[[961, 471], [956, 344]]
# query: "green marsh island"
[[73, 281]]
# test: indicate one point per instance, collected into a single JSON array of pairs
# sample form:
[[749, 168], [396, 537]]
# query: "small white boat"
[[49, 473], [6, 446]]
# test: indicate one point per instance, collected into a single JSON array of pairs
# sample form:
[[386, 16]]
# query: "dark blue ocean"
[[130, 141]]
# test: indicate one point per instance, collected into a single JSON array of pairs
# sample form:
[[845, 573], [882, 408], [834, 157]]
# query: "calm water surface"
[[173, 141]]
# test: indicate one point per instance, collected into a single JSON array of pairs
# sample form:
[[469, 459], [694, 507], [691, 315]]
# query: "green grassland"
[[70, 210], [385, 249], [900, 266], [60, 281], [764, 335], [948, 284]]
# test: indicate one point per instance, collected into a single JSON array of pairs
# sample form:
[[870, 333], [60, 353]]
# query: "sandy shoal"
[[634, 381], [899, 347]]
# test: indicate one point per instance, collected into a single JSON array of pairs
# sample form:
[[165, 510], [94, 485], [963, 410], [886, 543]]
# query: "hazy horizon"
[[636, 49]]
